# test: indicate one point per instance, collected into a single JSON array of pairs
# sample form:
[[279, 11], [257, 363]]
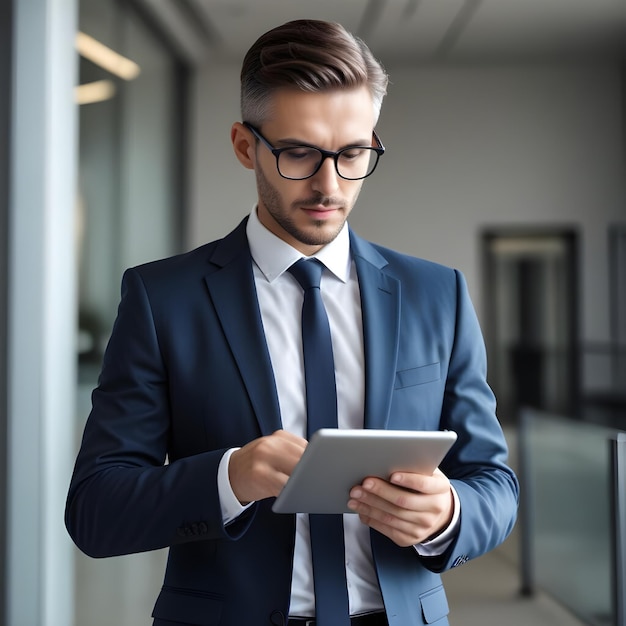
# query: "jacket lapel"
[[233, 294], [380, 302]]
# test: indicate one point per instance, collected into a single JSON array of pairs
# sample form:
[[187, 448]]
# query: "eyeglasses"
[[300, 162]]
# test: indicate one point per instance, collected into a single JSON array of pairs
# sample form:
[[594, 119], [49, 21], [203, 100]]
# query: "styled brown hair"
[[310, 55]]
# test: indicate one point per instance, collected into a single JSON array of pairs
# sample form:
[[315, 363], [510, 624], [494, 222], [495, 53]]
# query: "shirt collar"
[[274, 256]]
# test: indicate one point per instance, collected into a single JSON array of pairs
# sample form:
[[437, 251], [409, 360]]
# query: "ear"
[[244, 145]]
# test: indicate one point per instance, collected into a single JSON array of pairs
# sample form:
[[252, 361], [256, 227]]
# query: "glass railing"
[[568, 514]]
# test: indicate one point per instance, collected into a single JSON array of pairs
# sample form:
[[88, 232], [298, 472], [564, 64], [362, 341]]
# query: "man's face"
[[309, 213]]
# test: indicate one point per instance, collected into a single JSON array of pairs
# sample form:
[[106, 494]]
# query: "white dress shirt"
[[280, 300]]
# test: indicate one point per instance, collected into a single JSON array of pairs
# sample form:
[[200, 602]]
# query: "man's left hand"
[[409, 508]]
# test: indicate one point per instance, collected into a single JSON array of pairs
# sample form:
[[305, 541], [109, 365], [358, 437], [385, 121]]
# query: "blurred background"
[[505, 133]]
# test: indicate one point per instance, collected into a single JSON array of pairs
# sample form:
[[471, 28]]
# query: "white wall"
[[467, 147], [221, 191]]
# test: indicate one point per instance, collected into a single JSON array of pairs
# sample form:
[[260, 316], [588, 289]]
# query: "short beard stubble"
[[272, 201]]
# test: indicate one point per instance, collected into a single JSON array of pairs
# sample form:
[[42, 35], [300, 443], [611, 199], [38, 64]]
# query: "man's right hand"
[[261, 468]]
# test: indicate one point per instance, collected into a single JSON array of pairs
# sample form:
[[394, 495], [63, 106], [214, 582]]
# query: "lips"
[[320, 212]]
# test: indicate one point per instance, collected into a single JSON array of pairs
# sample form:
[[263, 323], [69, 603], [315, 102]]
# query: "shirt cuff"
[[438, 545], [230, 505]]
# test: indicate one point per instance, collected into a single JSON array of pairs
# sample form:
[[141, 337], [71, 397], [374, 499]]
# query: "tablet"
[[338, 459]]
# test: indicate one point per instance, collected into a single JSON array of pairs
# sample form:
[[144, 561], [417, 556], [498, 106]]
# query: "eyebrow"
[[290, 142]]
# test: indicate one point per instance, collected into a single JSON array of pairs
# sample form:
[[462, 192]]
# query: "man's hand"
[[409, 509], [261, 468]]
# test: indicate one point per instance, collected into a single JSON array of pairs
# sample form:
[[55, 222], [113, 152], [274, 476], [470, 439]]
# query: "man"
[[205, 369]]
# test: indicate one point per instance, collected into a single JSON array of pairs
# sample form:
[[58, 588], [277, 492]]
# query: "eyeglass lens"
[[351, 163]]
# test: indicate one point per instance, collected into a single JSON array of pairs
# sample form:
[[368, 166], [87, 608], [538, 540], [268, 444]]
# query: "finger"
[[286, 457], [404, 506], [387, 497], [422, 483], [402, 526], [402, 532], [289, 436], [402, 514], [383, 499]]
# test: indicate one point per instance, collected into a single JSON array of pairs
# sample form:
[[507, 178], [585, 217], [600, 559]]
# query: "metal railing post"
[[618, 526], [526, 512]]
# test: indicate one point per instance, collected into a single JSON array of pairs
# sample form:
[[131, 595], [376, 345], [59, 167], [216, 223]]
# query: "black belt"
[[370, 619]]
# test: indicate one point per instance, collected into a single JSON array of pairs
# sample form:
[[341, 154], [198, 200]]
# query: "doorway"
[[531, 313], [617, 303]]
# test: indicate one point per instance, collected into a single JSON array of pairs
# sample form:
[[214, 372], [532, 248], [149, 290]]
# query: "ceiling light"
[[97, 91], [106, 58]]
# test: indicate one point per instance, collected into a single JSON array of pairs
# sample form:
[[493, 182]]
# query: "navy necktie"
[[327, 541]]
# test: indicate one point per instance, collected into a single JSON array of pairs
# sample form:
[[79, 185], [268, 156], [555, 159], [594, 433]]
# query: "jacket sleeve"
[[124, 495], [477, 466]]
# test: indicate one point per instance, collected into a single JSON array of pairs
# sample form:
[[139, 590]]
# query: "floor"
[[486, 592]]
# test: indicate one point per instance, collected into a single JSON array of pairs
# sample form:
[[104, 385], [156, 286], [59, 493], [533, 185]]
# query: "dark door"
[[617, 299], [531, 317]]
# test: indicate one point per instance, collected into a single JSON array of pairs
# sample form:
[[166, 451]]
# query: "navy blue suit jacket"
[[187, 375]]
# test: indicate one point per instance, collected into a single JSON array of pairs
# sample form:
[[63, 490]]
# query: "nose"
[[326, 179]]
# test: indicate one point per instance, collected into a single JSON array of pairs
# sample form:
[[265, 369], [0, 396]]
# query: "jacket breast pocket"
[[418, 375]]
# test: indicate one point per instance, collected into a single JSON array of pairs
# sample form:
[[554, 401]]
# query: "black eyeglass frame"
[[326, 154]]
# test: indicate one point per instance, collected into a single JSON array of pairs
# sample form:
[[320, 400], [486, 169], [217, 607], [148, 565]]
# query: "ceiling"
[[408, 31]]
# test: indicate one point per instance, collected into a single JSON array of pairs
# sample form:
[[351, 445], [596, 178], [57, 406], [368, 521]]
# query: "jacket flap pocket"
[[418, 375], [187, 606], [434, 605]]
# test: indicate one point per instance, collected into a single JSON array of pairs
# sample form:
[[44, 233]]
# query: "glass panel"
[[567, 492], [128, 165], [127, 214]]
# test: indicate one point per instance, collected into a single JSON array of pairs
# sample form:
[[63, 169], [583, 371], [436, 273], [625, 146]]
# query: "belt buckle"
[[309, 622]]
